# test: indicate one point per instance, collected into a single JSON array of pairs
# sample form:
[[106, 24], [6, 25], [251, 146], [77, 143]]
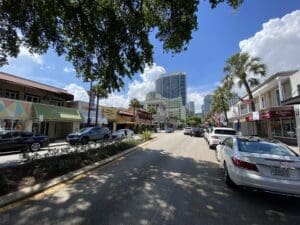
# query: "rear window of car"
[[226, 132], [263, 147]]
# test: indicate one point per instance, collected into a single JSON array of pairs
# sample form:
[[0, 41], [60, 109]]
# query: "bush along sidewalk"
[[39, 168]]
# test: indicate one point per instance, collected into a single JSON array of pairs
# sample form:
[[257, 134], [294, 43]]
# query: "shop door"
[[44, 129]]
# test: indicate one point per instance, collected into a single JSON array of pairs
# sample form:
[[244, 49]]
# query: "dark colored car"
[[169, 130], [197, 132], [87, 134], [21, 140]]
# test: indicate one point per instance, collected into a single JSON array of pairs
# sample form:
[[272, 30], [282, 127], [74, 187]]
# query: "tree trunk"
[[250, 95], [225, 111], [252, 105], [97, 108]]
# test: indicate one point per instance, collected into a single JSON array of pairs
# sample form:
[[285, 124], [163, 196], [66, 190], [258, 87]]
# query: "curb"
[[30, 191]]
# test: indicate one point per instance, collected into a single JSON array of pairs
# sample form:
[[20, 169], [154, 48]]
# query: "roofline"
[[171, 74], [19, 77], [272, 77]]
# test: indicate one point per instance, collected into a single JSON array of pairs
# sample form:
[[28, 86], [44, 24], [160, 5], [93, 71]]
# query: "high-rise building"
[[172, 86], [207, 104], [191, 108]]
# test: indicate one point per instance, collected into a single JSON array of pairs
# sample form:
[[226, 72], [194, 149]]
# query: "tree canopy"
[[134, 103], [193, 120], [245, 69], [105, 40]]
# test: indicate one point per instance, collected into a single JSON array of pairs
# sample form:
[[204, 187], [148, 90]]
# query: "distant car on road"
[[87, 134], [187, 131], [218, 134], [259, 163], [21, 141], [122, 133], [197, 132], [169, 130]]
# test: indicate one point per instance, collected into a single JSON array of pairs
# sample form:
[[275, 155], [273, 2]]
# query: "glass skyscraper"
[[172, 86]]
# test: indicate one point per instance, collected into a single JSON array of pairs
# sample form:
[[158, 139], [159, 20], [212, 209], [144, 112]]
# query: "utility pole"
[[90, 101]]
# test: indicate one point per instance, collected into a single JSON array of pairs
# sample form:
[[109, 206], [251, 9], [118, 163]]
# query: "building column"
[[260, 102], [281, 93]]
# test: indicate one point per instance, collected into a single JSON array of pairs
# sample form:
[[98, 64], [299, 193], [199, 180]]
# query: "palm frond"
[[253, 82]]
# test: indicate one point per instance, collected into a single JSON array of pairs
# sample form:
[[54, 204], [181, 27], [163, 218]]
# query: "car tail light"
[[243, 164], [215, 137]]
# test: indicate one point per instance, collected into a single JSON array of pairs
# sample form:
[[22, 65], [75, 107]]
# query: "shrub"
[[146, 135], [3, 183]]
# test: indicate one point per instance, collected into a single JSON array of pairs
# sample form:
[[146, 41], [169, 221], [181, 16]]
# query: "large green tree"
[[105, 40], [245, 69], [135, 104]]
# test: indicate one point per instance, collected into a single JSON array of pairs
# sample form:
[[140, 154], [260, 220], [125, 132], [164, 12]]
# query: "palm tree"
[[152, 111], [135, 104], [241, 66], [100, 92], [220, 101]]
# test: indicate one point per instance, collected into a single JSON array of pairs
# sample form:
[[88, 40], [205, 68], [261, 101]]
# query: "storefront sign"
[[109, 112], [255, 115], [277, 114], [41, 118], [14, 109]]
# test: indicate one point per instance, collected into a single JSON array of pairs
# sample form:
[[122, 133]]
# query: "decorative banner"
[[14, 109]]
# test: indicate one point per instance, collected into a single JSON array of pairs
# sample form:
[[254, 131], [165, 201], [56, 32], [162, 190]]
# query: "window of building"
[[57, 102], [262, 102], [11, 94], [289, 128], [32, 98]]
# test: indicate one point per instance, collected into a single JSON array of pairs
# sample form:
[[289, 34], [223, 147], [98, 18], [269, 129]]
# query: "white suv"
[[219, 134]]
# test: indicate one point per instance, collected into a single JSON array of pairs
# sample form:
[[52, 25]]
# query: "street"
[[173, 180]]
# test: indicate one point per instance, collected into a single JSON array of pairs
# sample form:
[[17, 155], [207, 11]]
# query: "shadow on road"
[[155, 187]]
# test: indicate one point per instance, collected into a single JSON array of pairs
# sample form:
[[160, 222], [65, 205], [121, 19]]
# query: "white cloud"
[[78, 91], [115, 100], [24, 53], [277, 43], [139, 89], [69, 70]]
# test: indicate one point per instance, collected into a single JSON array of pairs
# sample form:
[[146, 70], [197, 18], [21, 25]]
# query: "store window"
[[298, 87], [276, 127], [11, 94], [57, 102], [7, 124], [289, 128], [32, 98]]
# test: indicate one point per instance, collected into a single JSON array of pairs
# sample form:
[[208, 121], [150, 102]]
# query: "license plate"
[[282, 172]]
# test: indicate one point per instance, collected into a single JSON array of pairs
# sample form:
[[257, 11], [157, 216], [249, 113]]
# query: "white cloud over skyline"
[[277, 44]]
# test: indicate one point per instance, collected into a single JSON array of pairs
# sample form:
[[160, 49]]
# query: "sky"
[[269, 29]]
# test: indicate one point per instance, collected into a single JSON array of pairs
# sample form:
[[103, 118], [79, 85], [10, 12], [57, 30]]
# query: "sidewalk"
[[295, 148]]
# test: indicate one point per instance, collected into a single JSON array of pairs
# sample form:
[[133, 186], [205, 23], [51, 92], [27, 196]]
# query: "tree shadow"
[[155, 187]]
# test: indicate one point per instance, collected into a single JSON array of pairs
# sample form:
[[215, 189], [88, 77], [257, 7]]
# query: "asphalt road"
[[173, 180]]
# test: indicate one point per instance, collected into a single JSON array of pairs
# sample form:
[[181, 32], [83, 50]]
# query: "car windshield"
[[226, 132], [85, 129], [263, 147]]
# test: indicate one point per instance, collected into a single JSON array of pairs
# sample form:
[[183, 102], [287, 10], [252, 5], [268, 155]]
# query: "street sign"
[[41, 118]]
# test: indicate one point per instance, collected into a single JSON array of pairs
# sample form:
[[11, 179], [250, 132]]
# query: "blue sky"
[[219, 36]]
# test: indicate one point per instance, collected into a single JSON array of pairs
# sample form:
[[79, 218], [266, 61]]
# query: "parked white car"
[[219, 134], [187, 131], [122, 133], [261, 164]]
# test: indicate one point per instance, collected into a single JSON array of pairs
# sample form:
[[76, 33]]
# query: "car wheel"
[[35, 146], [106, 137], [84, 140], [227, 178]]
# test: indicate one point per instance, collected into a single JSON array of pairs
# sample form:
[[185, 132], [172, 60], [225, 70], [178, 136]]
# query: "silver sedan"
[[261, 164]]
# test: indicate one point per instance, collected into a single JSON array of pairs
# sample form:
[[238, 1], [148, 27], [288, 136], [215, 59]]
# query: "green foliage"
[[3, 183], [193, 120], [105, 40], [134, 103], [151, 110], [100, 91], [146, 135], [240, 66]]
